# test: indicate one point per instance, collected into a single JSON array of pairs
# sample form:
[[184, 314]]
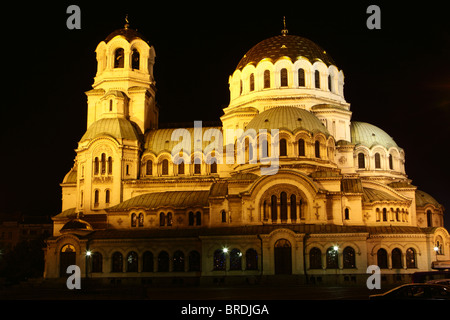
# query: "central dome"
[[290, 46]]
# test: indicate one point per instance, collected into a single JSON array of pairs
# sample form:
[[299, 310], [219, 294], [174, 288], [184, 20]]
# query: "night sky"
[[397, 78]]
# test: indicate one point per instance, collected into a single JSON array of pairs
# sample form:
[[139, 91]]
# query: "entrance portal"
[[67, 257], [283, 257]]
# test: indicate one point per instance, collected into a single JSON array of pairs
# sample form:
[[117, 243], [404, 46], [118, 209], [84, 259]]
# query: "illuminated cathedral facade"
[[338, 201]]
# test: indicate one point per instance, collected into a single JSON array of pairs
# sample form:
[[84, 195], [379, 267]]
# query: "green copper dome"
[[291, 119], [370, 135], [118, 128]]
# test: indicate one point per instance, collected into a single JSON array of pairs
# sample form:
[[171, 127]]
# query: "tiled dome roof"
[[288, 118], [285, 46], [370, 135]]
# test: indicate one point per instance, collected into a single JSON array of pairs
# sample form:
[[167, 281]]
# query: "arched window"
[[349, 258], [147, 262], [96, 197], [283, 206], [377, 161], [411, 258], [169, 219], [191, 218], [162, 219], [284, 77], [109, 165], [213, 167], [96, 166], [149, 167], [97, 262], [301, 77], [133, 220], [163, 262], [219, 260], [117, 262], [240, 88], [332, 258], [198, 218], [391, 162], [251, 259], [266, 79], [301, 147], [283, 148], [252, 82], [197, 166], [330, 83], [132, 262], [361, 161], [429, 218], [178, 261], [235, 259], [135, 59], [317, 148], [273, 207], [107, 196], [315, 258], [293, 207], [384, 214], [165, 167], [141, 220], [224, 216], [181, 167], [396, 257], [110, 105], [317, 79], [264, 145], [382, 259], [119, 58], [103, 163], [346, 214], [194, 261]]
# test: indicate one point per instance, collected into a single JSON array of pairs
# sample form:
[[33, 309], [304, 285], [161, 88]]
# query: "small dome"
[[370, 135], [118, 128], [289, 118], [126, 33], [77, 226], [285, 46]]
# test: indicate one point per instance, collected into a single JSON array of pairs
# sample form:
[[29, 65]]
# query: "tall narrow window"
[[361, 161], [198, 218], [147, 262], [332, 258], [110, 105], [214, 166], [377, 161], [132, 262], [169, 219], [315, 258], [117, 262], [317, 149], [162, 219], [103, 163], [141, 220], [133, 220], [224, 216], [178, 261], [284, 77], [240, 89], [391, 162], [349, 258], [149, 167], [346, 214], [283, 147], [301, 147], [181, 167], [119, 58], [317, 79], [165, 167], [197, 166], [107, 196], [252, 82], [384, 214], [283, 206], [219, 260], [329, 83], [273, 207], [110, 165], [235, 259], [97, 262], [266, 79], [382, 259], [429, 218], [191, 218], [293, 207], [301, 77], [135, 59], [96, 197], [251, 259], [411, 258]]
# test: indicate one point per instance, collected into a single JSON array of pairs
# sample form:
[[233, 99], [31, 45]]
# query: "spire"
[[127, 23], [284, 31]]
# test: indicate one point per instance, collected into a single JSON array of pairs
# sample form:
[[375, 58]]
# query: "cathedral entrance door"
[[67, 257], [283, 257]]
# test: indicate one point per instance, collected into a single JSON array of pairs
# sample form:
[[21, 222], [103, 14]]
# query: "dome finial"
[[127, 23], [284, 31]]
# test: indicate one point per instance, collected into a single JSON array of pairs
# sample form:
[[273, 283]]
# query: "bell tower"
[[124, 85]]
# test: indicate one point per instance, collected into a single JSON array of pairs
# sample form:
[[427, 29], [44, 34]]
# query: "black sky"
[[397, 78]]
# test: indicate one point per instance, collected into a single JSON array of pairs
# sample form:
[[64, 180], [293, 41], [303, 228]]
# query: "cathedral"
[[305, 192]]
